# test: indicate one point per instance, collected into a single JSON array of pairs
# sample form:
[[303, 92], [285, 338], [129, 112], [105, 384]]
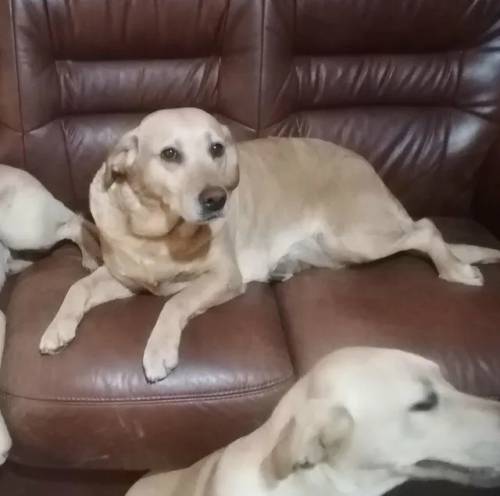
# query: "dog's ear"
[[121, 158], [228, 136], [313, 436]]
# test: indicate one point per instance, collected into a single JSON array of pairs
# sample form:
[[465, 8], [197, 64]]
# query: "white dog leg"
[[85, 235], [5, 440], [98, 287], [426, 238], [423, 236]]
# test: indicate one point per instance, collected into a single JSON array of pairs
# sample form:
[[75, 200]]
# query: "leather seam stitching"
[[235, 393]]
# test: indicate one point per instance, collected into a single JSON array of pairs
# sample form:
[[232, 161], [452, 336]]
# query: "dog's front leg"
[[162, 349], [99, 287]]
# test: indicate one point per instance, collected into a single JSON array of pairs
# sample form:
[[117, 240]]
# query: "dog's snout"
[[213, 199]]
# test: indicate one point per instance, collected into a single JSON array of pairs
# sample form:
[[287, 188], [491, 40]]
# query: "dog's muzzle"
[[212, 201]]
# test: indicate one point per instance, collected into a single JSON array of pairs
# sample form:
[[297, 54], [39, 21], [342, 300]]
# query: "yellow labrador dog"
[[174, 221], [361, 422]]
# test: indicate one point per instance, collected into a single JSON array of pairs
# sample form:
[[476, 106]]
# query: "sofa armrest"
[[486, 204]]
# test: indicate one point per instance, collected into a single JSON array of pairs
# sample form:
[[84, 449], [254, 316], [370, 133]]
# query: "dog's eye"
[[170, 155], [216, 150], [426, 405]]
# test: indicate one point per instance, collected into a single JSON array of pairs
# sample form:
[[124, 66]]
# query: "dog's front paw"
[[57, 336], [159, 360], [464, 274]]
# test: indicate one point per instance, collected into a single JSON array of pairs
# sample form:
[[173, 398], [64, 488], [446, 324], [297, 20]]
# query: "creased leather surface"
[[401, 303], [234, 364]]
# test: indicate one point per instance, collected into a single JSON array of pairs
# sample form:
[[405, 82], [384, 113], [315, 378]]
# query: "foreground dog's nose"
[[213, 199]]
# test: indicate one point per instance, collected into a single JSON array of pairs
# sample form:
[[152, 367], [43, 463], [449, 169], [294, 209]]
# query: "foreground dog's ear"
[[227, 135], [121, 158], [319, 436]]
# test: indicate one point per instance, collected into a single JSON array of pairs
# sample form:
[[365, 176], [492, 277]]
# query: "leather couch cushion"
[[401, 303], [90, 406]]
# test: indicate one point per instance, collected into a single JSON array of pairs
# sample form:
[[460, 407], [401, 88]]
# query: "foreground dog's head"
[[184, 159], [392, 414]]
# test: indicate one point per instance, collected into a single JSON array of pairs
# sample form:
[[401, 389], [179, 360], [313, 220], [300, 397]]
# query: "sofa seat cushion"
[[400, 302], [91, 407]]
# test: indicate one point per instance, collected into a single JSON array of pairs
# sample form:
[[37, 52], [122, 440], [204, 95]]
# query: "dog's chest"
[[146, 265]]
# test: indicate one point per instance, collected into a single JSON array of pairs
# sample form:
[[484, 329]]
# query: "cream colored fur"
[[358, 424], [300, 203]]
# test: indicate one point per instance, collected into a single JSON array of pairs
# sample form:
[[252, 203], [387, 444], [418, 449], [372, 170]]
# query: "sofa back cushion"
[[412, 85], [88, 71]]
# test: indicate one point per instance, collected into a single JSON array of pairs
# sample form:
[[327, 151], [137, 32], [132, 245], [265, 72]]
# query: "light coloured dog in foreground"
[[32, 219], [173, 221], [362, 422]]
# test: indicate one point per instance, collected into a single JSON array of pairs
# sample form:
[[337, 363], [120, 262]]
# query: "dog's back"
[[197, 480]]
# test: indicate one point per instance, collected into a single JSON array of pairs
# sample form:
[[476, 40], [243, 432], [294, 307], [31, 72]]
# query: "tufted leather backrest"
[[88, 71], [414, 85]]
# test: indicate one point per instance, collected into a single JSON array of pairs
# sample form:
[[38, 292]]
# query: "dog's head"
[[392, 415], [183, 158]]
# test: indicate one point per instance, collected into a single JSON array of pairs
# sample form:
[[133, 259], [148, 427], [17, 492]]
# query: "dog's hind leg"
[[84, 234], [421, 236], [475, 254]]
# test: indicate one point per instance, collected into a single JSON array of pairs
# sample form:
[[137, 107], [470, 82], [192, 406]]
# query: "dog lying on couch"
[[173, 221], [32, 219], [361, 422]]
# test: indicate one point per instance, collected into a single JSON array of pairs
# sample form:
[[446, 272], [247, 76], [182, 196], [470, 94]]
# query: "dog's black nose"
[[212, 199]]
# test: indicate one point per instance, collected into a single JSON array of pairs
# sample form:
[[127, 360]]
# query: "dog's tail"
[[471, 254], [91, 241], [5, 440]]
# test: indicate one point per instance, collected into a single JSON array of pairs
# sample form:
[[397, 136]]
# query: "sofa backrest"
[[413, 85]]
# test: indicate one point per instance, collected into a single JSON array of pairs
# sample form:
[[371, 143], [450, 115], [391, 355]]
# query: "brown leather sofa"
[[414, 85]]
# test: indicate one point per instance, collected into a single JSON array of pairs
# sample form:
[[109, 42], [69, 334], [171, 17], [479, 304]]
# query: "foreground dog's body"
[[32, 219], [360, 423], [160, 204]]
